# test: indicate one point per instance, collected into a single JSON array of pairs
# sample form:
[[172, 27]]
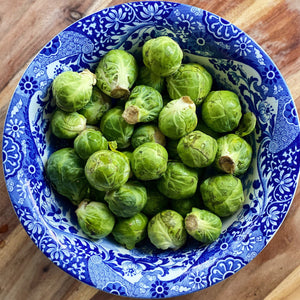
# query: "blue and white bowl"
[[237, 63]]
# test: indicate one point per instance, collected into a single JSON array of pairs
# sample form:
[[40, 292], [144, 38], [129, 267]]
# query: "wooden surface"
[[25, 27]]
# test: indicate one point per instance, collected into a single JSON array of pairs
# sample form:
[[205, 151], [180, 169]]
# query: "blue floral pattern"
[[52, 47], [290, 113], [243, 46], [28, 85], [221, 29], [115, 288], [159, 289], [11, 155], [198, 280], [225, 268], [237, 63], [270, 74]]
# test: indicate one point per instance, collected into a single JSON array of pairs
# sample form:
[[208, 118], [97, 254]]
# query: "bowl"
[[237, 63]]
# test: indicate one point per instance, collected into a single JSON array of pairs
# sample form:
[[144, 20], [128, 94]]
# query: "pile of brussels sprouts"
[[155, 152]]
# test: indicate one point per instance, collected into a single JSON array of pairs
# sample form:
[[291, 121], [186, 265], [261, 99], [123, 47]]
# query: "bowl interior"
[[236, 63]]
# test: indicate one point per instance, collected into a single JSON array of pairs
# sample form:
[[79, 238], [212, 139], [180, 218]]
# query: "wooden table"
[[25, 27]]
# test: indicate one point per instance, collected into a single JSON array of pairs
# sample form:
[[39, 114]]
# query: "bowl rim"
[[12, 105]]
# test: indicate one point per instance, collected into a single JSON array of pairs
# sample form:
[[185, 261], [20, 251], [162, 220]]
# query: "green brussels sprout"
[[146, 77], [156, 202], [162, 55], [65, 170], [221, 111], [66, 125], [115, 128], [143, 105], [184, 206], [166, 230], [190, 80], [203, 225], [96, 107], [116, 73], [73, 90], [128, 200], [107, 170], [222, 194], [130, 231], [246, 125], [234, 154], [149, 161], [95, 219], [147, 133], [197, 149], [171, 146], [178, 118], [179, 181], [89, 141]]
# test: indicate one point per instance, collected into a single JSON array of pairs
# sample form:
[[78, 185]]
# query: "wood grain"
[[290, 283], [25, 27]]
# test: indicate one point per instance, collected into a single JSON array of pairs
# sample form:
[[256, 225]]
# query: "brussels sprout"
[[203, 225], [156, 202], [178, 118], [197, 149], [73, 90], [67, 125], [116, 73], [144, 105], [178, 182], [65, 170], [149, 161], [107, 170], [95, 219], [247, 124], [222, 194], [89, 141], [166, 230], [115, 128], [96, 107], [162, 56], [184, 206], [190, 80], [147, 133], [146, 77], [221, 111], [234, 154], [128, 200], [130, 231]]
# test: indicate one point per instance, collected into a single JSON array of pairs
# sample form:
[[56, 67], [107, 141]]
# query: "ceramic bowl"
[[237, 63]]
